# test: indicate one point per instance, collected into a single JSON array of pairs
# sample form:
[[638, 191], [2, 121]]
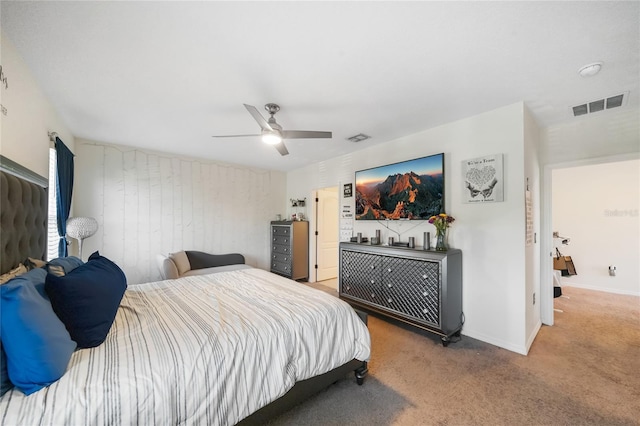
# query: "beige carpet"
[[585, 370]]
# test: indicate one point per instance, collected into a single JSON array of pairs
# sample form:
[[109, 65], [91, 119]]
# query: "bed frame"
[[23, 233], [303, 390]]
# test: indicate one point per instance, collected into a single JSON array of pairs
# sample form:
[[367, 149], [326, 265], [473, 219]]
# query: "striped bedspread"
[[208, 349]]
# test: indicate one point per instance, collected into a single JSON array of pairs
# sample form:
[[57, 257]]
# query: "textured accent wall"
[[151, 203]]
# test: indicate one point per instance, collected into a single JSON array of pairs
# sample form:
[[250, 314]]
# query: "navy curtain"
[[64, 190]]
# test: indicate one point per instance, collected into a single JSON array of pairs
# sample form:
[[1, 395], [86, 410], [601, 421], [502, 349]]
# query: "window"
[[52, 226]]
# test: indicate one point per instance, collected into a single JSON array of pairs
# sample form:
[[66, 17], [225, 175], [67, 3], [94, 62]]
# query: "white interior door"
[[327, 238]]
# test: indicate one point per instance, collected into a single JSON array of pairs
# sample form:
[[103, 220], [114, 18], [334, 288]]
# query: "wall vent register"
[[599, 105]]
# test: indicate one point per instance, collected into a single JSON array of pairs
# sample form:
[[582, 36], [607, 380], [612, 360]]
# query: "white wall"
[[30, 115], [597, 206], [532, 296], [149, 203], [491, 236]]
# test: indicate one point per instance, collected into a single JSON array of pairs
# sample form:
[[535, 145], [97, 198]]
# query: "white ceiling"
[[168, 75]]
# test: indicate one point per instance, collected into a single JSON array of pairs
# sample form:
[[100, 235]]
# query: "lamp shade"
[[81, 227]]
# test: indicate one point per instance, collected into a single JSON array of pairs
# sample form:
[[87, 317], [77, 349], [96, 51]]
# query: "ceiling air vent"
[[614, 101], [359, 138], [599, 105]]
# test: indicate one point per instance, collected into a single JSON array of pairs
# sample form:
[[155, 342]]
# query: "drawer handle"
[[348, 287], [373, 281], [373, 266], [390, 285], [347, 275], [424, 311], [286, 250], [373, 295], [285, 258], [389, 300], [424, 294], [424, 276]]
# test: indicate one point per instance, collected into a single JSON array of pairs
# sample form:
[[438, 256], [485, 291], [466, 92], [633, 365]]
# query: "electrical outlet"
[[534, 298]]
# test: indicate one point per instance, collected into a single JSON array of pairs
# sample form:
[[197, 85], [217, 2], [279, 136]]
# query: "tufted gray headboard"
[[23, 215]]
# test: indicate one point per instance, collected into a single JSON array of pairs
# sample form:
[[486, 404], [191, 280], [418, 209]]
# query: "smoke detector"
[[590, 69]]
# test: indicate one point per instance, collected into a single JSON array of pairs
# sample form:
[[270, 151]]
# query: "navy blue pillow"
[[86, 299], [37, 345]]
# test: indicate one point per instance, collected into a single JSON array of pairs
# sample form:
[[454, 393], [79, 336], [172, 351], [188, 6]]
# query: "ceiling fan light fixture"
[[271, 138], [272, 133]]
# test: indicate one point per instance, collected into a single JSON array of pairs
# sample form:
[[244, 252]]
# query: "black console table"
[[419, 287]]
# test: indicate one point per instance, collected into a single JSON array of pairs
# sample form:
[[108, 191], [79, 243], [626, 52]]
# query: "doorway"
[[326, 233], [591, 195]]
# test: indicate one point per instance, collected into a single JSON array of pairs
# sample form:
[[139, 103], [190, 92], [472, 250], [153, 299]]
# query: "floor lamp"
[[81, 228]]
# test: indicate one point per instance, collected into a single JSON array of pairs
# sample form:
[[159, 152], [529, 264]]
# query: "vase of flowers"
[[442, 223]]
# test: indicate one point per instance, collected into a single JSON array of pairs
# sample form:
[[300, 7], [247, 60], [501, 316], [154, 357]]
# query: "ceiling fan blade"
[[281, 148], [304, 134], [232, 136], [264, 125]]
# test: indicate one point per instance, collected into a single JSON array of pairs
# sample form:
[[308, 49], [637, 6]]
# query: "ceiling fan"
[[272, 132]]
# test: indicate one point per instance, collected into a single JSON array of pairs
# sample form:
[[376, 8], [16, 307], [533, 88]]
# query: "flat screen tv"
[[412, 189]]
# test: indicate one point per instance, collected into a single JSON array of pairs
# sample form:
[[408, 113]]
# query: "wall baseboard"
[[606, 290], [493, 341], [533, 335]]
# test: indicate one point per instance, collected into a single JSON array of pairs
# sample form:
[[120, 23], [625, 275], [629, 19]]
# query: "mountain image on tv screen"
[[411, 189]]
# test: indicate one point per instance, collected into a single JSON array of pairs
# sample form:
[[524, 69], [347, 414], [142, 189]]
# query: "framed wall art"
[[483, 181], [348, 190]]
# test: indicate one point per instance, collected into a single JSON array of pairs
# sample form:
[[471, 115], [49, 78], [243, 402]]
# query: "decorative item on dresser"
[[290, 249], [419, 287], [442, 223]]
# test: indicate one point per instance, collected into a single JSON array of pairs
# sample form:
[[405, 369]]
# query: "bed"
[[238, 346]]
